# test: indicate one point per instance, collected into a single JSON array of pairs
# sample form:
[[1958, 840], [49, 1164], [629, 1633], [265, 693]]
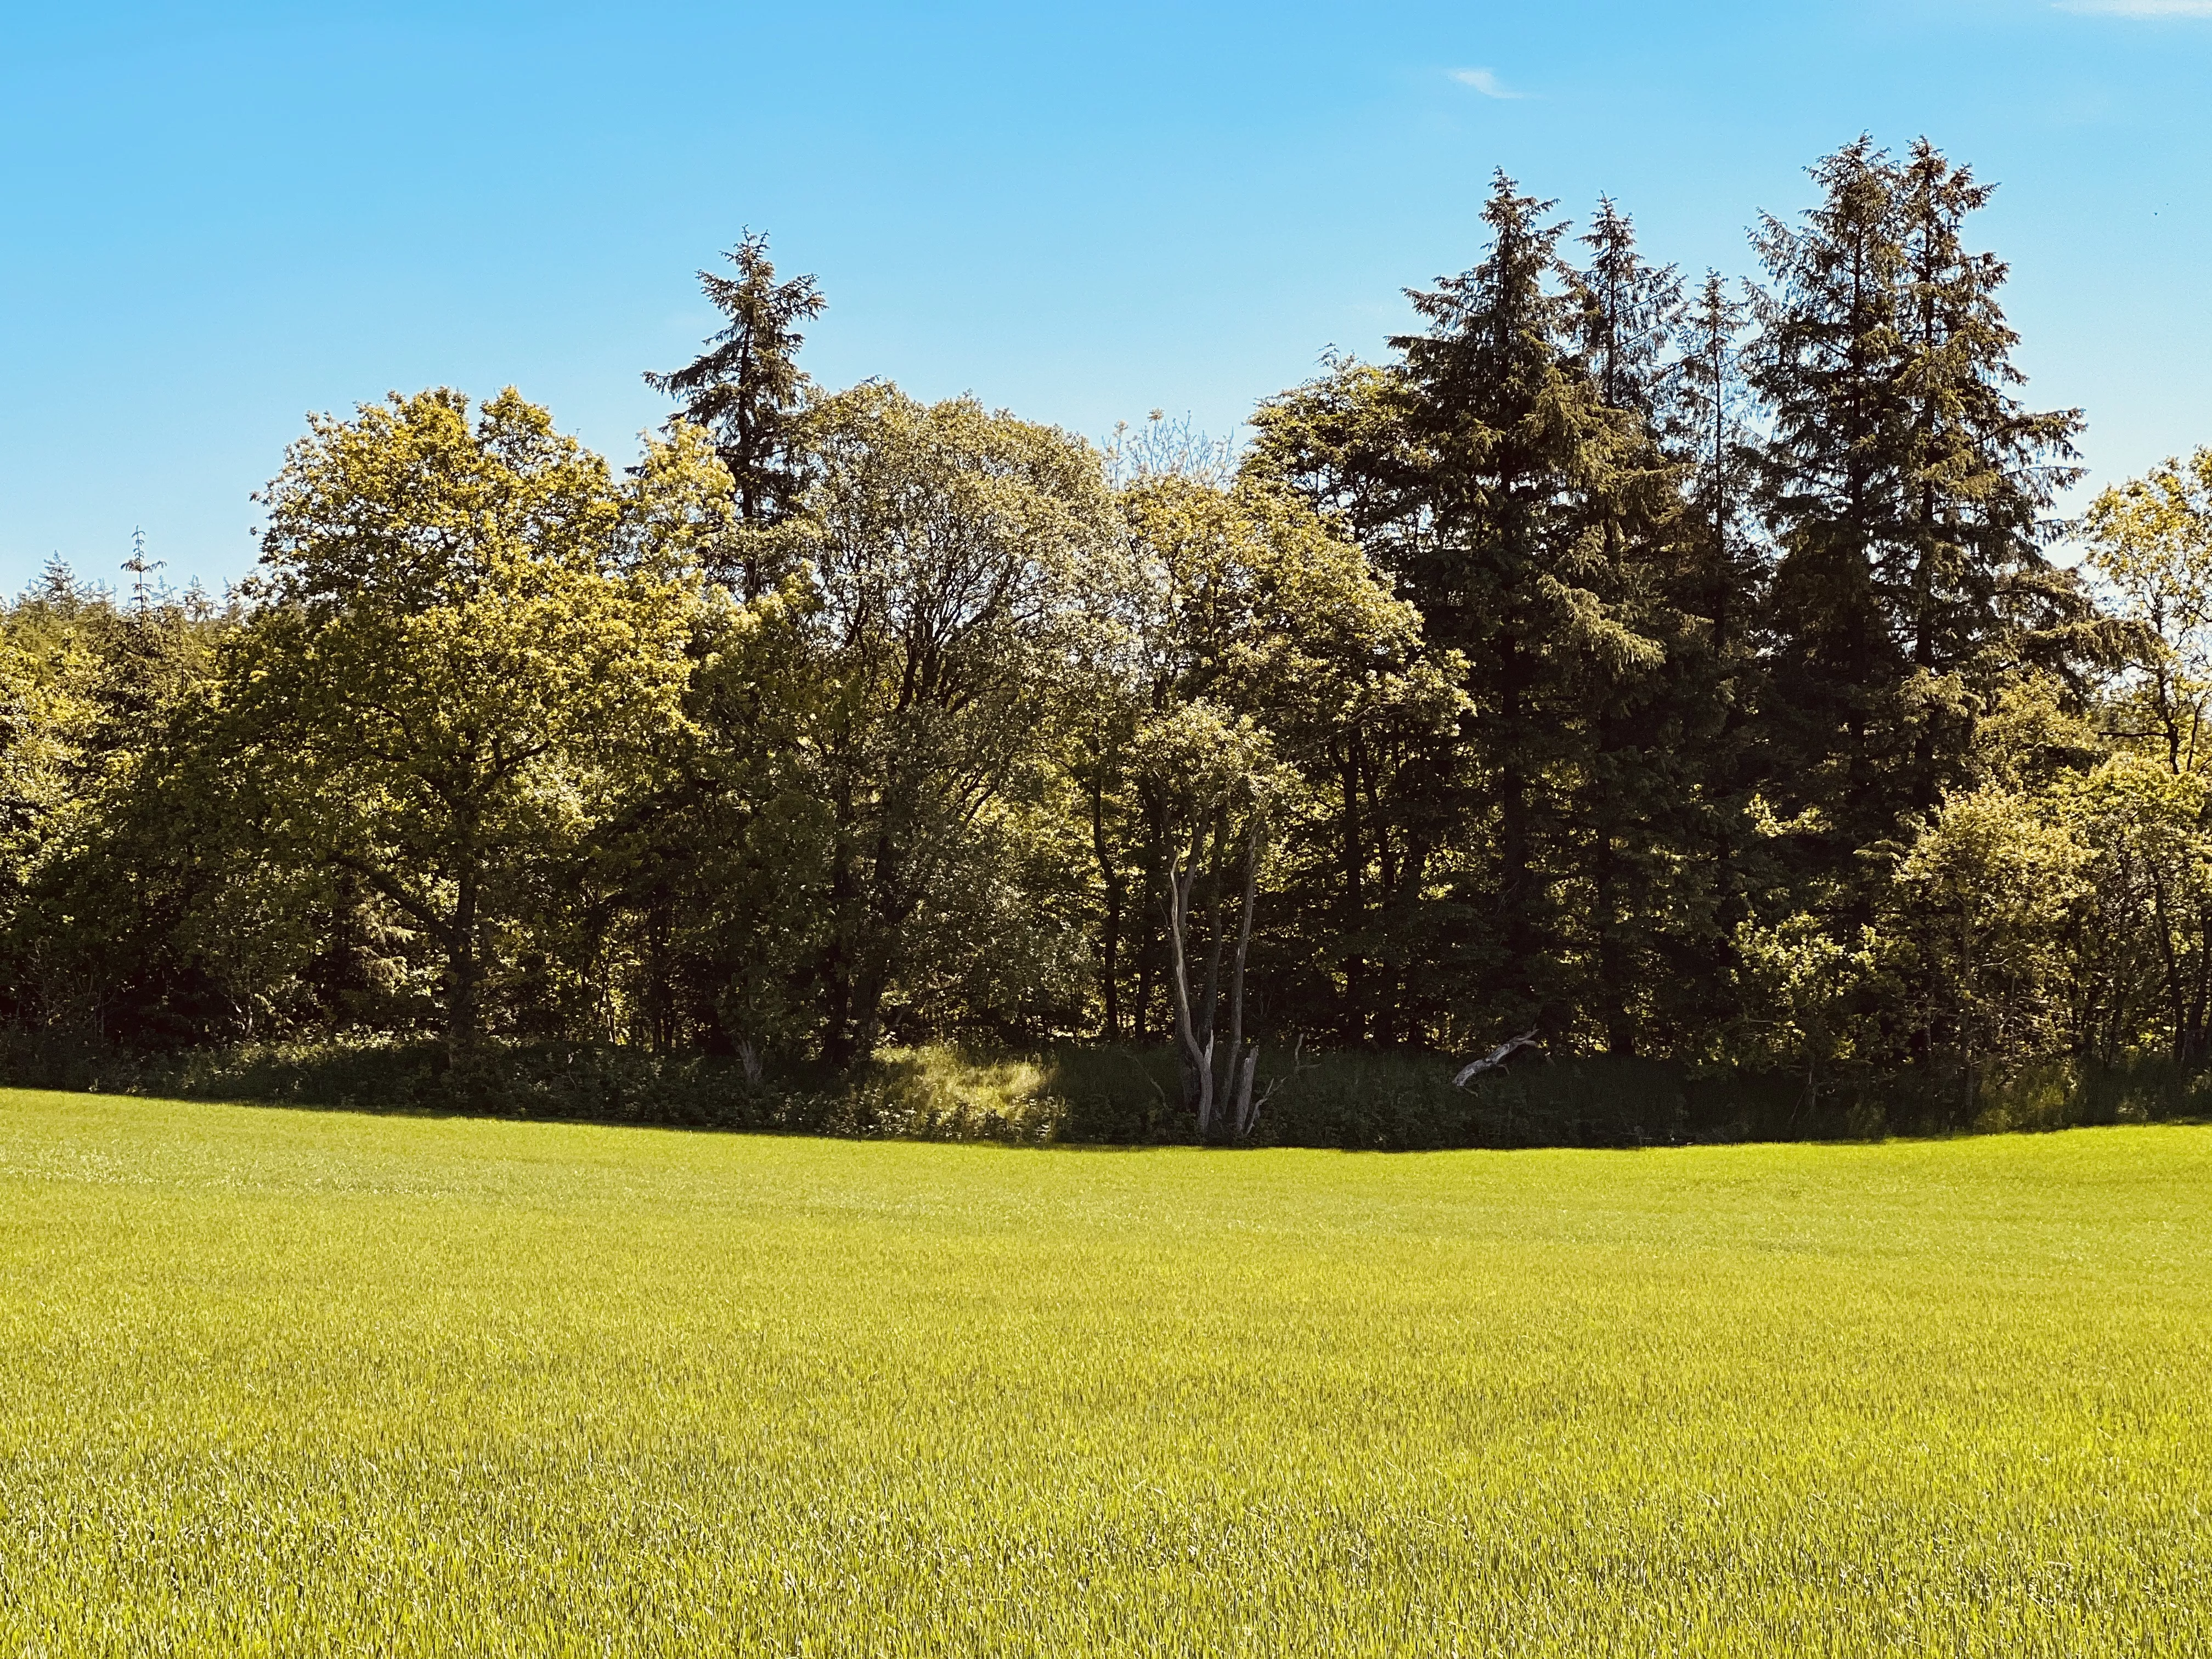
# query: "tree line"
[[1633, 666]]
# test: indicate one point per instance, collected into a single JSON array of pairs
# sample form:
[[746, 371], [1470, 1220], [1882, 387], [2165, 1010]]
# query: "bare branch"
[[1497, 1057]]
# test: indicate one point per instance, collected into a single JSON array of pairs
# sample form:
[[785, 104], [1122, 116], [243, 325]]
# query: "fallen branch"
[[1497, 1057]]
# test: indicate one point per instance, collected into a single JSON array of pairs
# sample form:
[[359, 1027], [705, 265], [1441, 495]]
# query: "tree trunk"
[[1155, 904], [1242, 1112], [461, 969], [1195, 1052], [867, 1012], [1209, 1008], [660, 995], [838, 963], [1355, 899], [1515, 851], [2175, 998], [1238, 1077], [1612, 967], [1393, 912], [1110, 942], [2200, 1005]]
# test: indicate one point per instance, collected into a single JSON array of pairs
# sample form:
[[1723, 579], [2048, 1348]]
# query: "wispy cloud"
[[2140, 8], [1483, 81]]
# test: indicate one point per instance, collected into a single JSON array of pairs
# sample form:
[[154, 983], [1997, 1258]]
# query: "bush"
[[1127, 1095]]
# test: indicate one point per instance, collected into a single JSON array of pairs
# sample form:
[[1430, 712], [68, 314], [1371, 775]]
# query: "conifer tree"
[[1628, 311], [1707, 427], [747, 390], [748, 393], [1523, 463], [1720, 580], [1831, 480], [1982, 475], [1905, 485], [1630, 811]]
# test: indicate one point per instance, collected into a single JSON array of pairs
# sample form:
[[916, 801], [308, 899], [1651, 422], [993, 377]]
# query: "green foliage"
[[458, 659], [966, 568], [1905, 488], [1994, 887], [747, 392], [2150, 542], [1674, 675], [2143, 965]]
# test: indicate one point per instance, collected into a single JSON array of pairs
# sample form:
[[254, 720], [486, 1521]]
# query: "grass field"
[[285, 1383]]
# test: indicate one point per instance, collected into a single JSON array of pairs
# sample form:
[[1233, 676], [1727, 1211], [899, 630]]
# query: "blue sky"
[[214, 218]]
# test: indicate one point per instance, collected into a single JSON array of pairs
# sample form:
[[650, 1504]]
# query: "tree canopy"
[[1675, 670]]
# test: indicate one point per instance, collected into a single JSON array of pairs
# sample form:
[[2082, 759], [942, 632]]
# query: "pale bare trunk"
[[1197, 1055], [1242, 1110], [1239, 1077]]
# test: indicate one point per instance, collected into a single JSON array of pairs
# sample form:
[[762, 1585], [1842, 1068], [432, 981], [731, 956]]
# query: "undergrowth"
[[1130, 1096]]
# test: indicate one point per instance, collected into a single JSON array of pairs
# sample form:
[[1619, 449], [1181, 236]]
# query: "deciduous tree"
[[456, 657]]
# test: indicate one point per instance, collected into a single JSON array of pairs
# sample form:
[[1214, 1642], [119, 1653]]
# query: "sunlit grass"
[[277, 1381]]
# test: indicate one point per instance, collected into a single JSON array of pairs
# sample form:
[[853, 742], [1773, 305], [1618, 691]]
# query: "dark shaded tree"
[[1526, 478], [747, 392], [1906, 488]]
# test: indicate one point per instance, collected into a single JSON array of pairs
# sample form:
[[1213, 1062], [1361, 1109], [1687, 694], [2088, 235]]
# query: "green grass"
[[277, 1381]]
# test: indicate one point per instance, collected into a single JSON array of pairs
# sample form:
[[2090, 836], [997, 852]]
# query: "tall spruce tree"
[[1721, 584], [1628, 309], [1707, 427], [688, 880], [1523, 466], [1982, 475], [1905, 488], [746, 390], [1832, 476], [1630, 810]]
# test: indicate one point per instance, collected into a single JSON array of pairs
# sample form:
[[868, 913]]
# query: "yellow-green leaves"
[[1255, 604], [2150, 540], [1993, 890], [967, 577], [469, 637]]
